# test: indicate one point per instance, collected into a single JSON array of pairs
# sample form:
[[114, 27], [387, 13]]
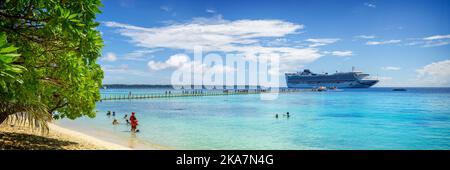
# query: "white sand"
[[86, 138]]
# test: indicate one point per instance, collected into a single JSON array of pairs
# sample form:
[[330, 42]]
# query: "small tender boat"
[[334, 88], [322, 88]]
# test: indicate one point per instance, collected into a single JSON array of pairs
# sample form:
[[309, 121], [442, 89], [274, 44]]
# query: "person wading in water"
[[134, 122]]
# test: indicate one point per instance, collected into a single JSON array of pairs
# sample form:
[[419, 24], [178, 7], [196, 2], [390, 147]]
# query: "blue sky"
[[402, 43]]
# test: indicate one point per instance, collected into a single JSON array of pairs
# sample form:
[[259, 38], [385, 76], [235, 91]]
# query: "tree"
[[56, 74], [9, 72]]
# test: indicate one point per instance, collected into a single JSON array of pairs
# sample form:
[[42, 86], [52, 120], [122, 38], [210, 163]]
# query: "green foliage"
[[9, 72], [58, 45]]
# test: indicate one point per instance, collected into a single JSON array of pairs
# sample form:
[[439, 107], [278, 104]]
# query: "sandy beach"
[[58, 138]]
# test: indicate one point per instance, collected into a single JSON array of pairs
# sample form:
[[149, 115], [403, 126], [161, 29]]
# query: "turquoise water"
[[376, 118]]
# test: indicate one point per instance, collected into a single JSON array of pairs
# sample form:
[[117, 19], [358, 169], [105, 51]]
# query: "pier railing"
[[188, 93]]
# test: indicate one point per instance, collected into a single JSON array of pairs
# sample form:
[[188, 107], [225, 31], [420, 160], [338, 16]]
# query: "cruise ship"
[[308, 79]]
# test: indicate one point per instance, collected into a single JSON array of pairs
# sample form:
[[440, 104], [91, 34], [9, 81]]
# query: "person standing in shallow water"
[[134, 122], [126, 119]]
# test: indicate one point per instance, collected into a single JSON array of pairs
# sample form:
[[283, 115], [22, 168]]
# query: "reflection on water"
[[132, 141]]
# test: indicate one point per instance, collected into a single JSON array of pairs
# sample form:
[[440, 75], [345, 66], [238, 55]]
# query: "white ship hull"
[[352, 84]]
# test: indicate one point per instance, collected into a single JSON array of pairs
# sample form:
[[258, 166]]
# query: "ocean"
[[355, 119]]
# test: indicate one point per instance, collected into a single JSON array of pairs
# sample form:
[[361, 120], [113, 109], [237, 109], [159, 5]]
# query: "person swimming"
[[115, 122], [114, 114], [287, 114], [108, 113], [276, 115]]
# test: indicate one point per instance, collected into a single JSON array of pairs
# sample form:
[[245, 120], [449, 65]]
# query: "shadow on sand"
[[21, 141]]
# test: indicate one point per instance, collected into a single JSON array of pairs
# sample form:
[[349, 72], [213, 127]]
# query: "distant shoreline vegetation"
[[118, 86]]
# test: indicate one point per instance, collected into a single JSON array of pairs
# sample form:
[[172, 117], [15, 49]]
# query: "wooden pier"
[[190, 93]]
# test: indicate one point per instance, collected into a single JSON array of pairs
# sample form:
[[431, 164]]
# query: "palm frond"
[[33, 115]]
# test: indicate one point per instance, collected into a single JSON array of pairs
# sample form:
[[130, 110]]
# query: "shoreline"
[[130, 143], [87, 138]]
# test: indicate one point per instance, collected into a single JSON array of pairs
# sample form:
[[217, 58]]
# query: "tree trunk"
[[3, 117]]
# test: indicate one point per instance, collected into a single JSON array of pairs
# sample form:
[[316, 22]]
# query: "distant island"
[[135, 86]]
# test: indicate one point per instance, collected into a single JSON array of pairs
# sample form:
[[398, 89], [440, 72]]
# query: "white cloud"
[[183, 63], [414, 43], [154, 65], [174, 61], [435, 44], [342, 53], [212, 34], [383, 42], [437, 37], [110, 68], [371, 5], [110, 57], [219, 35], [365, 37], [278, 42], [434, 74], [212, 11], [216, 19], [436, 40], [165, 8], [139, 55], [431, 41], [390, 68], [321, 42], [122, 69]]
